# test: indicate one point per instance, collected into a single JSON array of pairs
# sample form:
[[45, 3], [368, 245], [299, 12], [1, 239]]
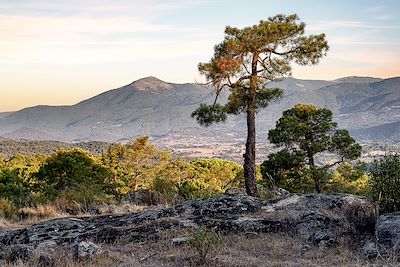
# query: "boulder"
[[177, 241], [86, 250], [18, 252], [388, 233], [369, 250]]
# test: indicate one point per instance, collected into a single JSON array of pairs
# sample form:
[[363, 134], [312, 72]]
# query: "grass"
[[30, 215], [239, 250], [252, 249]]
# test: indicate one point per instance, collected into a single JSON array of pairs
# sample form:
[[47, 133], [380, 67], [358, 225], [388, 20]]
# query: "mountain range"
[[368, 107]]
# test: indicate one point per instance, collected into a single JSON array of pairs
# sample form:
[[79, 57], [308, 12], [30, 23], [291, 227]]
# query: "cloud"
[[136, 8], [385, 17], [346, 24]]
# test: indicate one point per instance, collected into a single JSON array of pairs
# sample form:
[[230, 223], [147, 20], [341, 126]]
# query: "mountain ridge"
[[150, 106]]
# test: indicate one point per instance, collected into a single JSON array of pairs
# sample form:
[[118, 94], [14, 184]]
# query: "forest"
[[75, 181]]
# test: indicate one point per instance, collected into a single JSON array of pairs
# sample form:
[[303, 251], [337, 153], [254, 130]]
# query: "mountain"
[[386, 131], [162, 110], [147, 106], [4, 114], [357, 79]]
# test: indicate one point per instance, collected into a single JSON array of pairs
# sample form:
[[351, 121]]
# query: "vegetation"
[[205, 243], [134, 165], [304, 132], [245, 61], [385, 183], [347, 178], [75, 175], [75, 180], [9, 147]]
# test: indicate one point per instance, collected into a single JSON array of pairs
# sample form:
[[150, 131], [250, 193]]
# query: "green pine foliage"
[[74, 175], [385, 183], [303, 133]]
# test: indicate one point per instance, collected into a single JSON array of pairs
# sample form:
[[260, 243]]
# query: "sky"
[[59, 52]]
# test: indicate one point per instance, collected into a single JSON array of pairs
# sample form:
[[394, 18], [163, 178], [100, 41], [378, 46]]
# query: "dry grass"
[[41, 212], [30, 215], [250, 249], [239, 250], [5, 224]]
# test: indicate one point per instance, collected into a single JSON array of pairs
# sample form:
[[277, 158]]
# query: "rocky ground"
[[294, 230]]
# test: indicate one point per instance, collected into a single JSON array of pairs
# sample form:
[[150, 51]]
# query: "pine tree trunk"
[[250, 155], [314, 173]]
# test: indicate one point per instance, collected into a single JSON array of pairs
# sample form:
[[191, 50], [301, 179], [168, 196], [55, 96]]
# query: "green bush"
[[14, 188], [287, 169], [206, 243], [76, 175], [166, 187], [218, 174], [81, 198], [195, 189], [348, 179], [385, 183]]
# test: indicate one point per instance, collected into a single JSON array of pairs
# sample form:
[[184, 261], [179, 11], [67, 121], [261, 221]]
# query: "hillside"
[[162, 110], [10, 147]]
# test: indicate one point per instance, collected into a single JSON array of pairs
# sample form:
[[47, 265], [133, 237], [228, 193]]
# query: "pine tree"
[[244, 62]]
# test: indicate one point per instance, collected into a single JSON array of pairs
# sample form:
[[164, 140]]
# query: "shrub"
[[166, 187], [75, 175], [218, 174], [134, 165], [195, 189], [14, 188], [206, 243], [7, 207], [385, 183], [81, 198], [348, 179], [287, 169]]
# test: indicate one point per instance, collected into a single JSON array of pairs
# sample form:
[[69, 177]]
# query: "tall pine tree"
[[244, 62]]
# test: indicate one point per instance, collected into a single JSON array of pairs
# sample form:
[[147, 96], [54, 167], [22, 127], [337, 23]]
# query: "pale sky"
[[59, 52]]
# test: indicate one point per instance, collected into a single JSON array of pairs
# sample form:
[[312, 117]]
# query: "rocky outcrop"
[[388, 233], [301, 215], [318, 219]]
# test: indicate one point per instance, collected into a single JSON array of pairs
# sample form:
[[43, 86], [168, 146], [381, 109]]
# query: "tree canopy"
[[66, 171], [305, 131], [244, 62]]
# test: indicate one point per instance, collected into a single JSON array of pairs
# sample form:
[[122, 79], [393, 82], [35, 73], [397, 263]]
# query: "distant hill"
[[4, 114], [383, 132], [357, 79], [162, 110], [11, 147]]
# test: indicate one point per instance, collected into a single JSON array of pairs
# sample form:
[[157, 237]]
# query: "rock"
[[319, 219], [145, 197], [323, 238], [369, 250], [177, 241], [18, 252], [236, 191], [47, 247], [86, 250], [388, 233]]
